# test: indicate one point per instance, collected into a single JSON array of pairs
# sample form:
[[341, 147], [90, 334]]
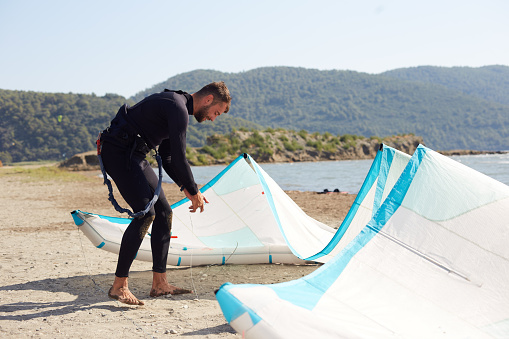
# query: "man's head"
[[211, 101]]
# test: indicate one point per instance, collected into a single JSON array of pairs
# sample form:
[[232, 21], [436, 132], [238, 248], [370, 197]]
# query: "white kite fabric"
[[251, 220], [432, 262], [239, 225]]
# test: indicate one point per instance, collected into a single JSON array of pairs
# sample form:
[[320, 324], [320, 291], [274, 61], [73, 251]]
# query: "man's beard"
[[201, 114]]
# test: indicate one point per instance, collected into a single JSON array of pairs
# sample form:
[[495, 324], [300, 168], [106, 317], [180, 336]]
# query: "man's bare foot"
[[120, 291], [160, 286], [124, 296]]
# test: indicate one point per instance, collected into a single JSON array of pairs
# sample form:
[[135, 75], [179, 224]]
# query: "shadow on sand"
[[90, 292]]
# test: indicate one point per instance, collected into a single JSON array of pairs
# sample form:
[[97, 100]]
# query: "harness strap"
[[111, 198]]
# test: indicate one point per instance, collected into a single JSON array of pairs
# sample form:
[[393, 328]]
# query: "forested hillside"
[[55, 126], [43, 126], [451, 108], [467, 113], [490, 83]]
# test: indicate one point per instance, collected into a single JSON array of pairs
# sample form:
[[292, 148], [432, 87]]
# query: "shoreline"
[[88, 161], [470, 152]]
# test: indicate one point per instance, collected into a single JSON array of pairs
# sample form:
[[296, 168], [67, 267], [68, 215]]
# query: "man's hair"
[[219, 91]]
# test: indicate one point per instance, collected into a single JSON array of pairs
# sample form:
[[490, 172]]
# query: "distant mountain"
[[55, 126], [490, 82], [51, 126], [451, 108]]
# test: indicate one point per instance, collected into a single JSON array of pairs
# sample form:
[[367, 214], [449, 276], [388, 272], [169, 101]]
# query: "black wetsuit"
[[158, 120]]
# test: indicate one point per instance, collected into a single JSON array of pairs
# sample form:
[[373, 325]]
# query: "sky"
[[124, 47]]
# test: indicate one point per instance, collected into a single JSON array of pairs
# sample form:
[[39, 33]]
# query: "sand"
[[53, 281]]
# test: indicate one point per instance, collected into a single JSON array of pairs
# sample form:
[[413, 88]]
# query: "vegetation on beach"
[[280, 145], [41, 172]]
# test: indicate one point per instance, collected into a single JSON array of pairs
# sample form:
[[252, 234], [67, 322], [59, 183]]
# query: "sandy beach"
[[53, 281]]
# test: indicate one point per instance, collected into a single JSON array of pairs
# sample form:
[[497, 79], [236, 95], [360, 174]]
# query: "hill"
[[451, 108], [55, 126], [490, 82], [468, 111], [51, 126]]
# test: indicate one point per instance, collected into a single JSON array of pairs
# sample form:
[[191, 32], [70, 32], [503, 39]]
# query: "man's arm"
[[173, 156], [165, 153]]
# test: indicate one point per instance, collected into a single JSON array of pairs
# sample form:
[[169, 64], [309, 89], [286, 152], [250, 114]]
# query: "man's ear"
[[208, 99]]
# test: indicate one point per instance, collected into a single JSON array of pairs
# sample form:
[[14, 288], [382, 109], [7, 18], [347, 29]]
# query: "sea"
[[346, 175]]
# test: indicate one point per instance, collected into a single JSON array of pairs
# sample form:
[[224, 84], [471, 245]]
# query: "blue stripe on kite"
[[366, 186], [385, 167], [211, 182], [124, 221], [232, 308], [178, 203], [77, 220], [101, 245], [397, 194]]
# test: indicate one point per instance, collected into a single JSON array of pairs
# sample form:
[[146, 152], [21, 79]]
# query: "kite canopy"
[[240, 225], [252, 220], [432, 262]]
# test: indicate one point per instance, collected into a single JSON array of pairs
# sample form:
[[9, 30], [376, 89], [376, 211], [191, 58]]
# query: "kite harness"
[[107, 182]]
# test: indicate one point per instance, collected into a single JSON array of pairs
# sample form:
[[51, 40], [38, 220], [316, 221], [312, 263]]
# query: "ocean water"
[[493, 165], [347, 175]]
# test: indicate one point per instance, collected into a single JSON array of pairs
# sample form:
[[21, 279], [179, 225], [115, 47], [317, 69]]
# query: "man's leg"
[[136, 191], [160, 242]]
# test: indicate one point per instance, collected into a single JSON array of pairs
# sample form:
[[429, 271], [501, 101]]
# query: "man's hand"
[[198, 201]]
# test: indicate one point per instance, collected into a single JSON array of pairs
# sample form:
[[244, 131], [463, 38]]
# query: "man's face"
[[210, 112]]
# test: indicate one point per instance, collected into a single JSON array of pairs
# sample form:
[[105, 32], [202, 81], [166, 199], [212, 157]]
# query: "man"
[[158, 120]]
